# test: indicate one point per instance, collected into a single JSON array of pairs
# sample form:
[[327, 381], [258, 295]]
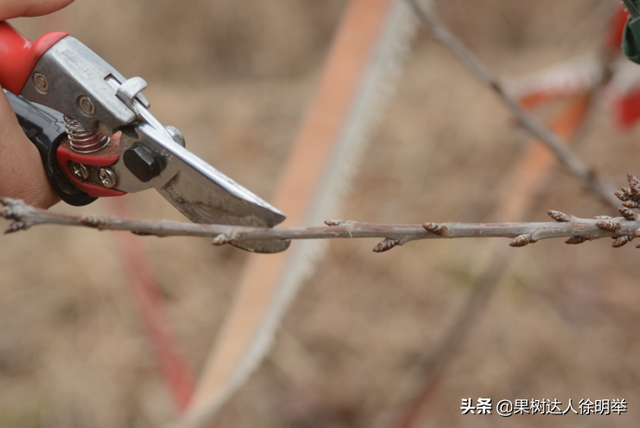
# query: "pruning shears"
[[97, 137]]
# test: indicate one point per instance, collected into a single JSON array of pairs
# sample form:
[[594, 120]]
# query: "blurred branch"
[[564, 154], [578, 230], [531, 175]]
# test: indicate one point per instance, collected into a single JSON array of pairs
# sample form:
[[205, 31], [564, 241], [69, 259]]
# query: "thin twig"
[[24, 216], [564, 154]]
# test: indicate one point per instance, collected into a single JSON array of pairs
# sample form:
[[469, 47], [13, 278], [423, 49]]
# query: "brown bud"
[[575, 240], [634, 185], [559, 216], [619, 242], [522, 240], [631, 204], [438, 229], [386, 245], [627, 213], [333, 223], [610, 225], [624, 194]]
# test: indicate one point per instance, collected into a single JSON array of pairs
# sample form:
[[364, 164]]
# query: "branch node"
[[386, 245], [334, 222], [522, 240], [438, 229], [558, 216]]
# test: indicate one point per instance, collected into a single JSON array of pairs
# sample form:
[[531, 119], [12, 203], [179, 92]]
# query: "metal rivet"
[[86, 105], [80, 171], [108, 178], [42, 85], [176, 135]]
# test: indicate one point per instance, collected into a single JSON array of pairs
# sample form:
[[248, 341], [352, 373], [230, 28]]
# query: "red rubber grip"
[[18, 55]]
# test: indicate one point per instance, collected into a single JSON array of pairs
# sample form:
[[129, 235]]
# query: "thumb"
[[16, 8], [22, 175]]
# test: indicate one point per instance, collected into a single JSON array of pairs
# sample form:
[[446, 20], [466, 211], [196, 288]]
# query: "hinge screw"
[[41, 83], [108, 178], [80, 171], [86, 105]]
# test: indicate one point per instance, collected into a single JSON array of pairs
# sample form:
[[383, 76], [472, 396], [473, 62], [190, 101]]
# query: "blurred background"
[[235, 78]]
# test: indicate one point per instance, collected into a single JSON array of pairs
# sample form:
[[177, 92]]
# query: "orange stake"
[[301, 194]]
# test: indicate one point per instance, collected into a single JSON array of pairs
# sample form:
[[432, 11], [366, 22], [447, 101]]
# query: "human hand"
[[22, 175]]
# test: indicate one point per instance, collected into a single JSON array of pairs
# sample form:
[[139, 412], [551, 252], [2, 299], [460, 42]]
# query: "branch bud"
[[225, 238], [438, 229], [575, 240], [608, 224], [634, 185], [386, 245], [522, 240], [15, 227], [627, 213], [92, 221], [624, 194], [621, 241], [558, 216]]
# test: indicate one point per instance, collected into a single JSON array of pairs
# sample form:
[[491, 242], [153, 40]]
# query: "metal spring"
[[83, 141]]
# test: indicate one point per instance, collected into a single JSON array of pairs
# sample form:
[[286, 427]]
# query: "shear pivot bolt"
[[80, 171], [108, 178], [142, 162], [41, 83], [86, 105]]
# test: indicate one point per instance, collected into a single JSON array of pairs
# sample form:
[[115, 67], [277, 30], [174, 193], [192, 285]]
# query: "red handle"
[[18, 55]]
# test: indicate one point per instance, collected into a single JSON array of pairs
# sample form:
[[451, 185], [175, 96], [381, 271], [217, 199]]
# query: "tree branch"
[[577, 230], [566, 156]]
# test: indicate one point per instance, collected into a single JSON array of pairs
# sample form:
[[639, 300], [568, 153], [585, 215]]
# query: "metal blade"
[[199, 191]]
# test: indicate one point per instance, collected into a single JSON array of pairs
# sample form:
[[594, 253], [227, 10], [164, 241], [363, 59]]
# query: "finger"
[[16, 8], [22, 175]]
